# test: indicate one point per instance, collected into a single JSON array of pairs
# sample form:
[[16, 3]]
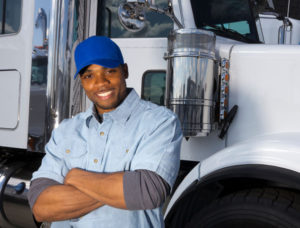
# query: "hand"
[[73, 175], [95, 185]]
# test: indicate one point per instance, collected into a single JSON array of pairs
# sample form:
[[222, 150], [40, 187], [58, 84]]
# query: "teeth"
[[104, 94]]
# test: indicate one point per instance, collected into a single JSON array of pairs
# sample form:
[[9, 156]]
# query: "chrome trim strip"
[[181, 13], [175, 101], [78, 100], [5, 174], [93, 6], [288, 9], [52, 46], [191, 54]]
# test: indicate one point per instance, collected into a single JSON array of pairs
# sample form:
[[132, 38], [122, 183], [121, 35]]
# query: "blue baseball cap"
[[98, 50]]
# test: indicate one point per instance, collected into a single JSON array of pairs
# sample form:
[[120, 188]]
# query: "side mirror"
[[132, 16]]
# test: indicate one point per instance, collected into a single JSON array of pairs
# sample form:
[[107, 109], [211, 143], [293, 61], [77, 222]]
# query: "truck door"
[[16, 33]]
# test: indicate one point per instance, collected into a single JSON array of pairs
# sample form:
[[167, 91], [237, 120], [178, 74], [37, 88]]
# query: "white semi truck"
[[230, 70]]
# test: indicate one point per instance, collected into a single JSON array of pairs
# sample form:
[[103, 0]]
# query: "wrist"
[[72, 176]]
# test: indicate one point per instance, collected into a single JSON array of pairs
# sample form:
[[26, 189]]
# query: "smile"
[[104, 95]]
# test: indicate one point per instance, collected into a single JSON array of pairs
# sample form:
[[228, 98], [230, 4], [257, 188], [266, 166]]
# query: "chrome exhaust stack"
[[190, 83]]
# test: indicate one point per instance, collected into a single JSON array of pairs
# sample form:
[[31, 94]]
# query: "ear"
[[125, 70]]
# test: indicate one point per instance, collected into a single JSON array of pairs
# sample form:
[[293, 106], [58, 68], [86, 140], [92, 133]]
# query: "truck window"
[[153, 86], [108, 24], [229, 18], [10, 16], [40, 43], [38, 89]]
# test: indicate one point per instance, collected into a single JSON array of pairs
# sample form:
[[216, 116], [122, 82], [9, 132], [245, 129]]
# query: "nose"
[[101, 80]]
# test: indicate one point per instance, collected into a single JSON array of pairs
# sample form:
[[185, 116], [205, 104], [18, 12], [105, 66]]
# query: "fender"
[[274, 158]]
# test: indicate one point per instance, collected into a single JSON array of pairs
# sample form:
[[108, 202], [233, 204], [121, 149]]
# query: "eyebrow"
[[87, 71], [105, 68], [90, 71]]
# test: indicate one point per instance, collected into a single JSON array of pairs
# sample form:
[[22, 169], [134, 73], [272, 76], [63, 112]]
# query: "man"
[[113, 165]]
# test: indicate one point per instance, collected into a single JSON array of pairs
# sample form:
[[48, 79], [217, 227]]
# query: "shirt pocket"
[[116, 157], [75, 155], [120, 156]]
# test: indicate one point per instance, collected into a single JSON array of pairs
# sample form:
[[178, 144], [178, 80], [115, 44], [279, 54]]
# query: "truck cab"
[[228, 68]]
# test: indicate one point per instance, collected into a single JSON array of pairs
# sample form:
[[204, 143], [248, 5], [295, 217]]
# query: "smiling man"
[[105, 98], [113, 165]]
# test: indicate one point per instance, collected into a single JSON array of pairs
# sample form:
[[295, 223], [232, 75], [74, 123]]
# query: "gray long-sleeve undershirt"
[[143, 189]]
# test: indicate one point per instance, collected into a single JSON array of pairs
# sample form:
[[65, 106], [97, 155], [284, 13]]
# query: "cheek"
[[122, 84], [87, 88]]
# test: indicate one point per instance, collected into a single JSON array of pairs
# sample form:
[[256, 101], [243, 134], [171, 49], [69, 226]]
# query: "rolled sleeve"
[[37, 186], [53, 165], [144, 189], [159, 151]]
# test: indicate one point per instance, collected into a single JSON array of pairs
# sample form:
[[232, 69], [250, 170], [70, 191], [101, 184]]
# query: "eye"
[[110, 71], [86, 76]]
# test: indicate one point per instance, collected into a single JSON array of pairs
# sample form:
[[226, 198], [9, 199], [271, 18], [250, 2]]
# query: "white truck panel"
[[279, 150], [295, 31], [270, 27], [10, 107], [138, 54], [198, 149], [15, 54], [262, 84]]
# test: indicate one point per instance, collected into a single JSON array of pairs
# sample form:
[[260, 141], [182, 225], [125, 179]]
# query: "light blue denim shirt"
[[136, 135]]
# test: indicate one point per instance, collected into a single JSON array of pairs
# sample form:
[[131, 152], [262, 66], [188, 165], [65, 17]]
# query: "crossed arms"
[[84, 191], [145, 186], [81, 193]]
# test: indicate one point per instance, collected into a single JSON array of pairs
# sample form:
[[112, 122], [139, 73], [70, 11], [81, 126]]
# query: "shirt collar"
[[124, 110], [98, 116], [121, 113]]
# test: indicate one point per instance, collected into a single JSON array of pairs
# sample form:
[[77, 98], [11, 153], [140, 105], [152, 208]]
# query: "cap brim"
[[108, 63]]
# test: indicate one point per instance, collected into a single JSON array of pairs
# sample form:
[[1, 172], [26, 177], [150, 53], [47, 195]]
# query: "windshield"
[[229, 18]]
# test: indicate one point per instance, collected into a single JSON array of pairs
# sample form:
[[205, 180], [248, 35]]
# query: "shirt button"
[[95, 160], [127, 150], [101, 133], [68, 151]]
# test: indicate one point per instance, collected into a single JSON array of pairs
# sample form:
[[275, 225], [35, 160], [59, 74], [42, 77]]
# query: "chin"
[[107, 107]]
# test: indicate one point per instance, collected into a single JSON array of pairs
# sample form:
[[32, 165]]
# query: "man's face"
[[105, 87]]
